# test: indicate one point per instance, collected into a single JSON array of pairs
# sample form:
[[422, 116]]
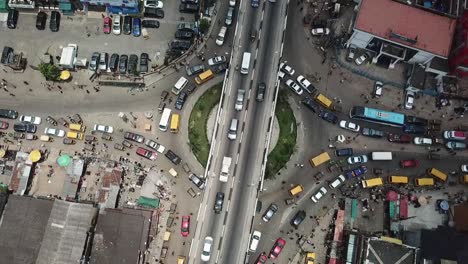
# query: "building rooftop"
[[454, 246], [407, 25], [380, 251]]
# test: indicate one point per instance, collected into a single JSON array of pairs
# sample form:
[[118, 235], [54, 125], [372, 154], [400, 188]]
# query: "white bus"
[[164, 122], [381, 156], [179, 85], [245, 63]]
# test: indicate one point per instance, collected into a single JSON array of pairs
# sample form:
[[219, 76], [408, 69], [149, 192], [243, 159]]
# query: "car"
[[185, 226], [188, 8], [414, 129], [30, 119], [150, 23], [378, 89], [294, 86], [7, 113], [239, 99], [370, 132], [220, 68], [127, 25], [116, 26], [189, 1], [320, 31], [136, 32], [455, 145], [153, 13], [277, 247], [261, 90], [357, 159], [409, 100], [270, 212], [103, 128], [54, 23], [106, 28], [262, 258], [454, 135], [337, 182], [103, 60], [351, 53], [328, 116], [114, 62], [41, 20], [134, 137], [123, 61], [151, 155], [255, 3], [217, 60], [93, 64], [190, 26], [199, 182], [154, 145], [4, 125], [356, 172], [298, 218], [219, 201], [153, 4], [179, 104], [286, 69], [7, 55], [361, 59], [190, 89], [195, 69], [229, 16], [464, 168], [144, 58], [221, 36], [399, 138], [303, 82], [349, 126], [232, 3], [344, 152], [180, 45], [255, 240], [132, 64], [173, 157], [311, 104], [12, 18], [184, 34], [206, 252], [25, 127], [415, 120], [410, 163], [422, 141], [54, 132], [310, 258], [281, 75]]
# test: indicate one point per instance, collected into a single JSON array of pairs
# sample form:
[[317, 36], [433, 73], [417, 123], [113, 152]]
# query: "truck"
[[223, 176], [68, 57]]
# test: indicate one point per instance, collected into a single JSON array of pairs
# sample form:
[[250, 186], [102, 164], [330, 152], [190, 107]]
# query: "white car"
[[320, 31], [103, 128], [319, 194], [464, 168], [217, 60], [361, 59], [153, 4], [303, 82], [287, 69], [116, 26], [422, 141], [294, 86], [54, 132], [207, 245], [255, 240], [409, 100], [31, 119], [155, 145], [281, 75], [232, 3], [357, 159], [349, 126]]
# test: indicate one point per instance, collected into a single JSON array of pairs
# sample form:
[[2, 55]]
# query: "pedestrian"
[[302, 165], [87, 91]]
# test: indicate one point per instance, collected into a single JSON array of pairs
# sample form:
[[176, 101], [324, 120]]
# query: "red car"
[[397, 138], [3, 125], [277, 247], [411, 163], [261, 259], [185, 227], [107, 25], [151, 155]]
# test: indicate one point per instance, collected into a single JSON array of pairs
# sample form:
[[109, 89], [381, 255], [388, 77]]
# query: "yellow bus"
[[175, 123], [320, 159], [424, 182], [464, 179], [204, 77], [296, 190], [372, 182], [437, 173], [75, 135], [323, 100], [398, 179], [77, 127]]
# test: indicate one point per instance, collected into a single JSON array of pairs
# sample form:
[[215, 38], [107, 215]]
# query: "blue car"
[[136, 27], [255, 3], [356, 172]]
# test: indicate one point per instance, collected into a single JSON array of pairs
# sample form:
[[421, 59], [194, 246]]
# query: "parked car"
[[255, 3], [150, 23], [303, 82], [298, 218], [7, 113], [206, 252], [12, 18], [370, 132], [25, 127], [103, 60], [123, 61], [261, 90], [136, 32], [145, 153], [277, 247], [153, 4], [351, 54], [179, 104], [199, 182], [4, 125], [328, 116], [311, 104], [320, 31], [410, 163], [454, 135], [180, 45], [337, 182], [357, 159], [409, 100], [184, 34], [262, 258], [134, 137], [362, 59], [294, 86], [232, 3], [464, 168], [415, 120], [114, 62], [287, 69], [455, 145], [349, 126], [239, 100], [378, 89], [422, 141], [219, 201], [270, 212], [190, 89], [217, 60], [54, 132], [220, 68], [173, 157], [127, 25], [414, 129], [103, 128], [54, 23], [229, 16], [399, 138], [7, 55], [132, 64], [41, 20], [30, 119], [221, 35], [195, 69], [106, 28], [356, 172], [154, 145], [116, 26], [144, 58], [185, 226], [188, 8], [344, 152], [93, 63]]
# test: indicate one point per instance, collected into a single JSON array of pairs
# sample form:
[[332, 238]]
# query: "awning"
[[3, 5], [64, 6], [2, 153], [63, 160], [35, 156], [65, 75]]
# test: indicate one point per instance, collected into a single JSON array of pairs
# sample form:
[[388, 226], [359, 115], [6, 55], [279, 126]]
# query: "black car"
[[188, 8], [218, 206], [370, 132], [181, 100], [184, 34], [414, 129], [220, 68], [123, 64], [298, 218], [344, 152], [54, 23], [153, 12], [328, 116], [261, 90], [190, 89], [148, 23], [114, 62], [144, 58], [127, 25], [416, 120], [195, 69], [12, 18], [41, 20], [180, 45], [7, 113], [25, 127], [312, 105], [132, 63], [7, 55], [173, 157]]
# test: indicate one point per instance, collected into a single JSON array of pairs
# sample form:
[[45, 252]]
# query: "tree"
[[204, 25], [49, 71]]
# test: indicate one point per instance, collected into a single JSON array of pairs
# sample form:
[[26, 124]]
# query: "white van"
[[221, 35], [381, 156], [255, 240], [337, 181], [232, 133], [245, 63], [179, 85], [164, 122]]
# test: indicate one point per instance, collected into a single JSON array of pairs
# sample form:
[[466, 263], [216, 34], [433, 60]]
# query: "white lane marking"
[[241, 136]]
